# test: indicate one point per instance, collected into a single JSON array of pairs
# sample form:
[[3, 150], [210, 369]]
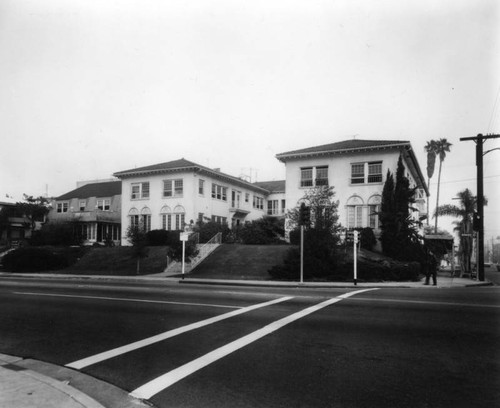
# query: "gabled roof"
[[183, 165], [158, 168], [275, 186], [345, 146], [107, 189]]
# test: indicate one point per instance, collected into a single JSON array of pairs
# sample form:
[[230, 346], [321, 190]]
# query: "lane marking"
[[166, 335], [127, 299], [424, 302], [157, 385]]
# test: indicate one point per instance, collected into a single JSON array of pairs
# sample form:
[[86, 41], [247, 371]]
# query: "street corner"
[[28, 383]]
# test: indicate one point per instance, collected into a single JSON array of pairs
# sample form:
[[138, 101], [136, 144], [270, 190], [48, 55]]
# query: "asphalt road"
[[208, 346]]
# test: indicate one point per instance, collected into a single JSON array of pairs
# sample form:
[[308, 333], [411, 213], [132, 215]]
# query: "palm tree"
[[465, 211], [430, 149], [441, 147]]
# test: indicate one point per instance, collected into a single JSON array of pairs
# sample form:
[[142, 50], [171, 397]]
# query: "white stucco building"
[[169, 195], [357, 170]]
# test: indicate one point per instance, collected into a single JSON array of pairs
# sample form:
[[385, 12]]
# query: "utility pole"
[[479, 140]]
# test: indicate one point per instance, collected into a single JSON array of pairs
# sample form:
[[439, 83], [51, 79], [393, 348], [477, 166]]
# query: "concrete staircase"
[[204, 250]]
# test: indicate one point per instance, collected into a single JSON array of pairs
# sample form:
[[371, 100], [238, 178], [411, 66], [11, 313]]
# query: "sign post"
[[183, 237], [355, 258], [301, 254]]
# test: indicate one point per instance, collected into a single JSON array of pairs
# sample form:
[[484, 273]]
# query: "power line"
[[493, 113], [472, 179]]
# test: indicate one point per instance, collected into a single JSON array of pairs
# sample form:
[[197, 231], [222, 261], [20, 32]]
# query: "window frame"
[[372, 172], [62, 207], [103, 204], [142, 192]]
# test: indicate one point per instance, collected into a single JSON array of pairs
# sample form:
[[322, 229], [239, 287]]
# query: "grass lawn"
[[245, 262], [118, 261]]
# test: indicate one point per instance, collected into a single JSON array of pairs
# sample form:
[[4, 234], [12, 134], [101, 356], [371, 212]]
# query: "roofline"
[[195, 168], [411, 152], [297, 154]]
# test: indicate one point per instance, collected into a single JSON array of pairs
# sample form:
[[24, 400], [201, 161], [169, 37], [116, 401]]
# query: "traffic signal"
[[304, 215], [475, 222]]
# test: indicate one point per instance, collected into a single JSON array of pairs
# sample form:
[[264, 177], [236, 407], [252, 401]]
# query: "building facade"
[[93, 208], [172, 195], [357, 170]]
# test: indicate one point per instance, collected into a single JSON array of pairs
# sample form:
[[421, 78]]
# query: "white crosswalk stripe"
[[157, 385]]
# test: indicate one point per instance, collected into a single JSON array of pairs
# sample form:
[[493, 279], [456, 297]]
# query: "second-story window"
[[368, 172], [173, 188], [375, 172], [82, 205], [140, 190], [306, 177], [314, 176], [103, 204], [273, 207], [219, 192], [62, 207], [322, 176], [258, 202], [201, 187]]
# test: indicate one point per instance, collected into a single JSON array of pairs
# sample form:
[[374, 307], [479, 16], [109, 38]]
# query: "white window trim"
[[141, 194], [314, 177], [366, 174], [173, 189]]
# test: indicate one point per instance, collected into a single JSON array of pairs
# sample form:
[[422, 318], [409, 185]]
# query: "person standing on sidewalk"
[[432, 265]]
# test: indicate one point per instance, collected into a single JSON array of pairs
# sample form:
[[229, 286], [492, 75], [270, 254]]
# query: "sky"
[[92, 87]]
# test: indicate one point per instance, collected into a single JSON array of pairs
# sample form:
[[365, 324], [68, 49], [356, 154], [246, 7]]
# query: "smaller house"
[[94, 208], [14, 227]]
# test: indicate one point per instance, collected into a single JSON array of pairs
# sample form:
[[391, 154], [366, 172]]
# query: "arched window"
[[179, 216], [166, 218], [374, 203], [146, 219], [355, 206], [133, 215]]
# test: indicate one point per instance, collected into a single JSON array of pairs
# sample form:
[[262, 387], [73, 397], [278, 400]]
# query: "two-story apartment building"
[[170, 195], [357, 170], [94, 209]]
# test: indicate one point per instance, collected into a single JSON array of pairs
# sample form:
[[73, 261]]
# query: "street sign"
[[184, 236]]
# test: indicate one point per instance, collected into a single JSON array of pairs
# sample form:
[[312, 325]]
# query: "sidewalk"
[[444, 280], [34, 384]]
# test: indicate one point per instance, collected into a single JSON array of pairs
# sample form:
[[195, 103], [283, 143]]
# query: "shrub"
[[265, 231], [175, 250], [209, 229], [367, 238], [56, 233], [33, 259], [161, 237], [320, 258]]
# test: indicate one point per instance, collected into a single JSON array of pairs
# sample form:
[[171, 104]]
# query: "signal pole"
[[479, 140]]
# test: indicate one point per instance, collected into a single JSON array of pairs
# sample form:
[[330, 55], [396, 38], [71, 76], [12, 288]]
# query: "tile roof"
[[171, 165], [183, 165], [106, 189], [275, 186], [343, 146]]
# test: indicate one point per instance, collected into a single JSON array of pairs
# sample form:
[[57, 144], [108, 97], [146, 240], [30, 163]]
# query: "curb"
[[82, 388], [145, 279]]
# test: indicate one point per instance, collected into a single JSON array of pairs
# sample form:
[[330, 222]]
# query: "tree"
[[441, 147], [465, 211], [322, 210], [136, 235], [399, 237], [34, 209], [430, 148], [320, 236]]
